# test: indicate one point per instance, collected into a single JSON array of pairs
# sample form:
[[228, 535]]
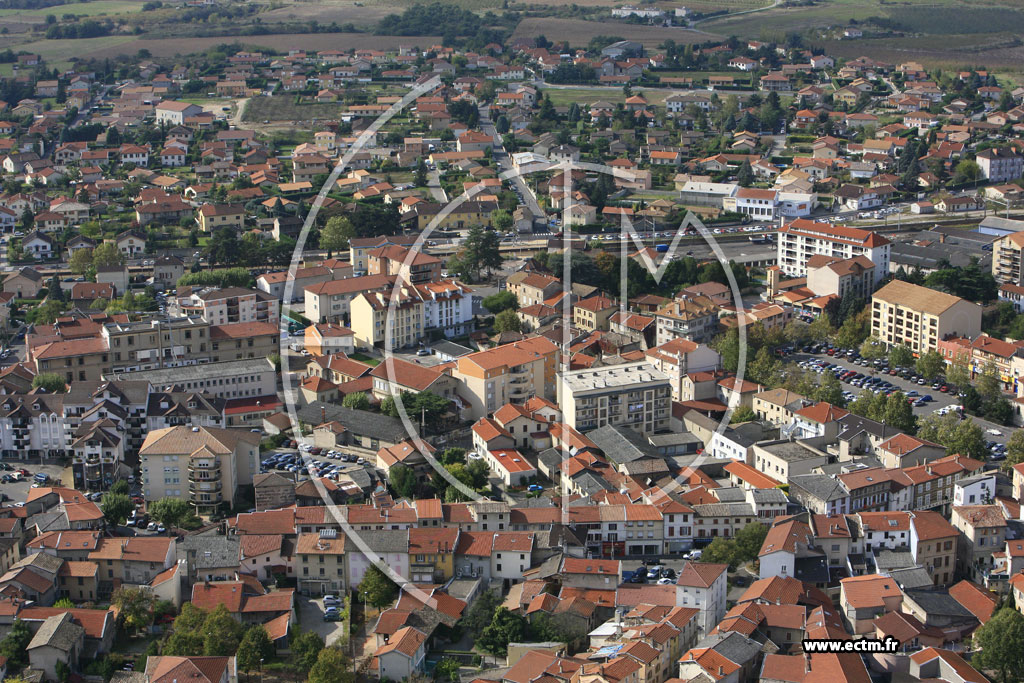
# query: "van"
[[42, 477]]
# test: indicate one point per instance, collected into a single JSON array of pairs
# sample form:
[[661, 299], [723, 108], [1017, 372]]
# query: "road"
[[434, 185], [505, 163]]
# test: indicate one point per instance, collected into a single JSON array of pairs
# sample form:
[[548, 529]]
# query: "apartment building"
[[833, 275], [328, 302], [447, 306], [383, 318], [512, 373], [229, 305], [688, 317], [592, 313], [634, 395], [803, 238], [983, 532], [933, 543], [1006, 259], [320, 567], [360, 247], [148, 344], [200, 464], [32, 426], [904, 313], [533, 288], [239, 341], [1000, 164], [680, 357], [227, 379], [411, 265]]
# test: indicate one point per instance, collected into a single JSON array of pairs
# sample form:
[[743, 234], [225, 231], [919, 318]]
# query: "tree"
[[508, 321], [745, 175], [958, 436], [872, 348], [336, 234], [931, 364], [357, 400], [254, 648], [988, 384], [447, 670], [332, 666], [107, 255], [1014, 449], [224, 247], [135, 606], [421, 173], [854, 330], [480, 613], [900, 356], [899, 414], [120, 486], [221, 633], [80, 261], [765, 369], [305, 648], [186, 639], [743, 414], [50, 382], [829, 390], [999, 645], [501, 220], [65, 603], [116, 507], [14, 645], [958, 374], [721, 551], [47, 312], [378, 588], [505, 628], [749, 540], [967, 170], [500, 301], [403, 481], [170, 511]]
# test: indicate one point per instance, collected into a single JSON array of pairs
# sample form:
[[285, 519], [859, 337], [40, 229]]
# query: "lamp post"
[[261, 670]]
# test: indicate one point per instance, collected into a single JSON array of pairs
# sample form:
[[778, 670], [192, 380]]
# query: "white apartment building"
[[802, 238], [631, 395], [904, 313], [1000, 164]]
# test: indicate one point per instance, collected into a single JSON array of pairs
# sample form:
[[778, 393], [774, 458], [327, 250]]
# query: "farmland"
[[284, 108], [583, 95], [580, 31]]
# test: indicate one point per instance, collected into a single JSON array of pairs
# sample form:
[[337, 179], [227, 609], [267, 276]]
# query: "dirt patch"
[[282, 42], [342, 13], [579, 31]]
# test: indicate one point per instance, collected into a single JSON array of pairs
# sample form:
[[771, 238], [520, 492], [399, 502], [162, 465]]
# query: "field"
[[579, 31], [79, 9], [284, 108], [584, 95], [343, 13]]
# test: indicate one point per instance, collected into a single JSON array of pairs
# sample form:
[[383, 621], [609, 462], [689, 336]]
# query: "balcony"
[[213, 488]]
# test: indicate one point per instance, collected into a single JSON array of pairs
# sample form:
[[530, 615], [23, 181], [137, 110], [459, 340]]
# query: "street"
[[504, 161]]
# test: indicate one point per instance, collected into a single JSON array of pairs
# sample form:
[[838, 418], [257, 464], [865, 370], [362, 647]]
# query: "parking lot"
[[17, 491], [940, 400], [311, 616], [318, 461]]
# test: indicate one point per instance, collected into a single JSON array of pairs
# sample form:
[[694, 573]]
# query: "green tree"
[[500, 301], [743, 414], [501, 220], [421, 173], [749, 540], [403, 482], [872, 349], [50, 382], [854, 330], [958, 436], [899, 414], [931, 364], [186, 639], [480, 613], [14, 645], [336, 234], [305, 648], [134, 606], [80, 261], [107, 254], [505, 627], [829, 390], [332, 666], [254, 648], [221, 633], [447, 670], [1014, 449], [120, 486], [170, 511], [65, 603], [765, 369], [357, 400], [901, 356], [47, 312], [999, 645], [987, 383], [721, 551], [745, 175], [958, 374], [116, 507], [379, 589], [508, 321]]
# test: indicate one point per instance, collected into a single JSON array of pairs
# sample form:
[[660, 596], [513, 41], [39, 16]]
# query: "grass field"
[[566, 96], [79, 9], [284, 108], [579, 31]]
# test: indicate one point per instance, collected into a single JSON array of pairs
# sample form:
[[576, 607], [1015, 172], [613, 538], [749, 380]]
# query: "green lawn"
[[363, 358], [80, 9]]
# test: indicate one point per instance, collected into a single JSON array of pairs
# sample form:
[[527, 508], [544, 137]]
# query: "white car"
[[994, 432]]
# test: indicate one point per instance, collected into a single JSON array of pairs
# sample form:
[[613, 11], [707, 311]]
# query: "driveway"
[[311, 616]]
